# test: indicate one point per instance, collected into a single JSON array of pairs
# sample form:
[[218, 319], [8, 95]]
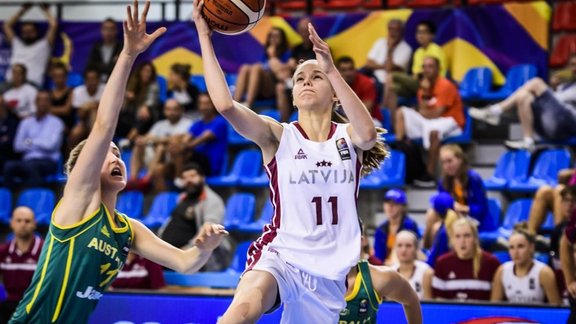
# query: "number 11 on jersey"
[[333, 202]]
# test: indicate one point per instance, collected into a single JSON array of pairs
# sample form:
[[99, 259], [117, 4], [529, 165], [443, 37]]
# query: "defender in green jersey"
[[368, 285], [88, 240]]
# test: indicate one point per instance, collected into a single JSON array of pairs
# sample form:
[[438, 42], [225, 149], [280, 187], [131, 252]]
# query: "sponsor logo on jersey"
[[345, 312], [90, 293], [343, 149], [323, 163], [104, 231], [363, 307], [451, 275], [300, 155], [532, 284]]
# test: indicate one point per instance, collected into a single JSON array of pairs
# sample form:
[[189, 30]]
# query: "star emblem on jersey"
[[323, 163]]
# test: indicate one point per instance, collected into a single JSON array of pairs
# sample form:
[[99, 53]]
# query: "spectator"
[[362, 85], [303, 51], [524, 279], [468, 272], [397, 220], [18, 259], [173, 128], [85, 99], [541, 109], [8, 126], [464, 185], [568, 263], [198, 205], [139, 273], [141, 107], [258, 80], [28, 48], [182, 90], [439, 243], [105, 52], [439, 114], [61, 95], [402, 84], [20, 94], [39, 139], [207, 140], [418, 273]]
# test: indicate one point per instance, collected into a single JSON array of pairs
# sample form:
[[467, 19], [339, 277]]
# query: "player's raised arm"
[[84, 179], [263, 131], [361, 129]]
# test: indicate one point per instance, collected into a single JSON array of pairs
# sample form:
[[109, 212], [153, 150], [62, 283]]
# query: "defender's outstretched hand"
[[210, 236], [201, 24], [136, 40], [322, 50]]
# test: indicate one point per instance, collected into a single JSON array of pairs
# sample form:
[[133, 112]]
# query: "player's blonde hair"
[[71, 162], [477, 258]]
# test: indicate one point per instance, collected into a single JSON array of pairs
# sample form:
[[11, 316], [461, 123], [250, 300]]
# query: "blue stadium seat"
[[515, 78], [126, 156], [548, 225], [258, 225], [131, 203], [5, 205], [513, 164], [248, 164], [234, 138], [161, 209], [294, 116], [41, 201], [59, 176], [387, 122], [466, 136], [199, 81], [163, 88], [545, 171], [272, 113], [258, 181], [502, 256], [239, 210], [392, 173], [238, 263], [518, 211], [488, 231], [476, 82]]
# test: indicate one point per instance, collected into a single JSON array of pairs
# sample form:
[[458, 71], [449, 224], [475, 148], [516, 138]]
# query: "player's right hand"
[[199, 21], [210, 236], [136, 40]]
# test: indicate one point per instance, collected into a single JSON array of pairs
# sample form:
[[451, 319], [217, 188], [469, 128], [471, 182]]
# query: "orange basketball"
[[232, 17]]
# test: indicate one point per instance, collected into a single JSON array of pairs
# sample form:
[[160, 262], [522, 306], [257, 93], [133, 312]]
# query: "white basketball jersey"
[[417, 279], [314, 186], [526, 289]]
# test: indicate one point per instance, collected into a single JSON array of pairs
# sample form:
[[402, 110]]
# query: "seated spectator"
[[362, 85], [367, 253], [524, 279], [173, 128], [258, 80], [206, 142], [139, 273], [402, 84], [542, 110], [463, 184], [182, 90], [8, 126], [28, 48], [568, 263], [39, 139], [104, 53], [61, 95], [439, 244], [468, 272], [142, 104], [418, 273], [439, 114], [20, 95], [397, 219], [18, 259], [85, 99], [198, 205]]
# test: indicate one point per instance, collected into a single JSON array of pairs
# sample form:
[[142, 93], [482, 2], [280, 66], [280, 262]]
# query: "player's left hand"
[[136, 40], [322, 50], [210, 236]]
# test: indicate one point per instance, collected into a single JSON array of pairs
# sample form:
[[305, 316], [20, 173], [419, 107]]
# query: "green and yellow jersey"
[[77, 264], [362, 303]]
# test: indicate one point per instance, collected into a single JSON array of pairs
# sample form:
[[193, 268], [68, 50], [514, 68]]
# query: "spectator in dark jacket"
[[8, 126], [396, 220], [105, 52]]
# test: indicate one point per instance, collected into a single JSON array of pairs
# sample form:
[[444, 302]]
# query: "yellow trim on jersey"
[[356, 288], [75, 224], [78, 234], [64, 281], [115, 228], [39, 286], [374, 307], [129, 222]]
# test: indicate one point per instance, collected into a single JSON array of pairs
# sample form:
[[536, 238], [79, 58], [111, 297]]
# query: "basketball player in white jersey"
[[418, 273], [524, 279], [314, 166]]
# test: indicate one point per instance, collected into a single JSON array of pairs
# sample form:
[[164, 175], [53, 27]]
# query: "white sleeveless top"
[[417, 279], [314, 187], [526, 289]]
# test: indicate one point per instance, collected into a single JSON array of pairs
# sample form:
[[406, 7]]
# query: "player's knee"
[[545, 193]]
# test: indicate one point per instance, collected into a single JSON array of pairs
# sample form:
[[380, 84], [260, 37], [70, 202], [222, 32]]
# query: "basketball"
[[233, 17]]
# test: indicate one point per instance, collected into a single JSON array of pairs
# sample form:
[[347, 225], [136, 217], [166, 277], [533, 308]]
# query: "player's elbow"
[[367, 140]]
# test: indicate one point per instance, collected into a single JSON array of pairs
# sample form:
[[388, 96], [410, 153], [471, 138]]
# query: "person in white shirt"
[[20, 97], [524, 279], [28, 48], [418, 273]]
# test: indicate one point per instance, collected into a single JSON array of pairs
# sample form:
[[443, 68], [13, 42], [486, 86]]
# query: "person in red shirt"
[[439, 114], [467, 272], [140, 273], [18, 259], [362, 85]]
